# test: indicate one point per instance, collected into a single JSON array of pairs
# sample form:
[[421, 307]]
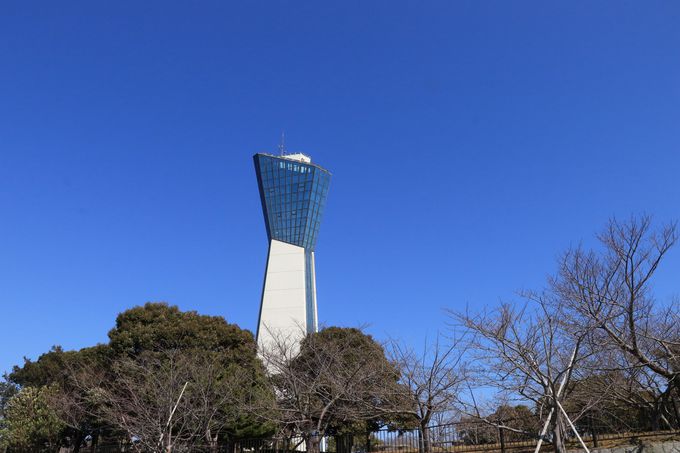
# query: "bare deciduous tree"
[[432, 381], [527, 352], [631, 397], [170, 400], [609, 290]]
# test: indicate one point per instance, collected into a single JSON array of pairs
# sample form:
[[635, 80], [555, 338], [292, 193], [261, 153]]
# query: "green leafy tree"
[[58, 369], [518, 422], [7, 391], [337, 380], [178, 399], [163, 327], [217, 359], [30, 421], [157, 349], [48, 369]]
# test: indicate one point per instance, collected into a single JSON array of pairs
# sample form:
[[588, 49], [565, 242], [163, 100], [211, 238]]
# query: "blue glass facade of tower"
[[293, 198], [293, 195]]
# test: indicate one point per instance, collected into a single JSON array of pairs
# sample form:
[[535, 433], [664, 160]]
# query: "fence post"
[[593, 432], [501, 438], [677, 413]]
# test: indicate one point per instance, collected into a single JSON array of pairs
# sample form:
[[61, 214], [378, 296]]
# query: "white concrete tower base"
[[283, 311]]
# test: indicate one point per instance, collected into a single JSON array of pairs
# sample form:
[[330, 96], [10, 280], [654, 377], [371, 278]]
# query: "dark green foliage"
[[58, 369], [30, 422], [7, 390], [339, 382], [344, 349], [53, 366], [47, 369], [149, 334], [520, 418], [159, 326]]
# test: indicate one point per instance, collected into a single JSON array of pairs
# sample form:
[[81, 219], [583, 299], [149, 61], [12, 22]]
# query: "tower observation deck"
[[293, 192]]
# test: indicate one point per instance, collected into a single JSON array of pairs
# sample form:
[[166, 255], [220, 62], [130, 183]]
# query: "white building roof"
[[298, 157]]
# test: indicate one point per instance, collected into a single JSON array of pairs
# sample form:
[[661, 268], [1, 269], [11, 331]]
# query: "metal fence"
[[467, 437], [454, 437]]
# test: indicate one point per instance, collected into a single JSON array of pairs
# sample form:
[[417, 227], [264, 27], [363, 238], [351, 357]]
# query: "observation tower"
[[293, 193]]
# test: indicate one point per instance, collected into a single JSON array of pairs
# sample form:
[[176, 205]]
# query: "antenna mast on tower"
[[282, 144]]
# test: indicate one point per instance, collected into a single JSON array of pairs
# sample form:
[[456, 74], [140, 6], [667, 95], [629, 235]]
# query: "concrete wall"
[[283, 310], [644, 447]]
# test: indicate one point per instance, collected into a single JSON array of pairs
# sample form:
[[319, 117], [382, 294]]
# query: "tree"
[[625, 404], [48, 369], [146, 399], [432, 381], [122, 388], [55, 369], [163, 327], [339, 377], [177, 379], [7, 391], [30, 421], [609, 290], [639, 400], [517, 423], [529, 352]]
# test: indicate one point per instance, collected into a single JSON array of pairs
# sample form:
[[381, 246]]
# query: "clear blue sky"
[[470, 143]]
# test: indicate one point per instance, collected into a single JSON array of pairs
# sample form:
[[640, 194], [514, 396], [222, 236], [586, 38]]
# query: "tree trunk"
[[501, 439], [313, 442], [656, 421], [676, 412], [168, 447], [211, 440], [425, 444], [558, 434], [213, 445], [593, 431]]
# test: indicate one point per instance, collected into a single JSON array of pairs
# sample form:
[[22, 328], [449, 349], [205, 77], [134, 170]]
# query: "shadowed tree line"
[[129, 389], [592, 351]]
